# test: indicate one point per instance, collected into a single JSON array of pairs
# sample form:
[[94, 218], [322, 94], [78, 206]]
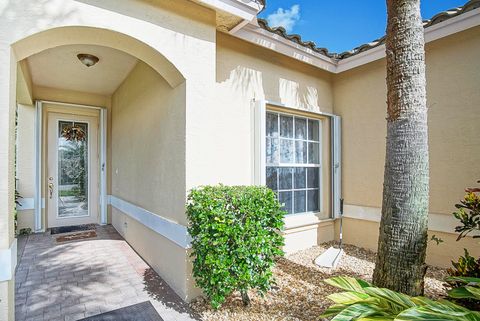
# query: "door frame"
[[39, 201]]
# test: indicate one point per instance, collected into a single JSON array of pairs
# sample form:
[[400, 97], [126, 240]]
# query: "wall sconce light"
[[87, 59]]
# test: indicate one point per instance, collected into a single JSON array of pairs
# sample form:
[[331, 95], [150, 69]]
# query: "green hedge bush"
[[236, 236]]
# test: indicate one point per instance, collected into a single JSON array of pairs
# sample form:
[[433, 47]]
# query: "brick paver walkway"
[[77, 279]]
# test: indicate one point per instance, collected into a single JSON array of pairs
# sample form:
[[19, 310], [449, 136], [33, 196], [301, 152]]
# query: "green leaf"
[[425, 314], [474, 291], [348, 283], [399, 300], [348, 298], [420, 300], [357, 311], [460, 293], [236, 238], [463, 279], [376, 304], [333, 310]]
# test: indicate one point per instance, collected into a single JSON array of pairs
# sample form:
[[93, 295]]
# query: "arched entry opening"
[[74, 35], [111, 135], [52, 77]]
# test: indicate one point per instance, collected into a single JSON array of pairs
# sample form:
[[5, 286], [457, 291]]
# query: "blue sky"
[[340, 25]]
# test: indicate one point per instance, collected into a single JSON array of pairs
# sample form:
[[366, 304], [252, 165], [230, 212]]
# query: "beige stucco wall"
[[7, 176], [176, 38], [453, 98], [148, 166], [169, 260], [148, 143], [364, 233], [185, 117], [25, 162], [220, 142], [244, 73]]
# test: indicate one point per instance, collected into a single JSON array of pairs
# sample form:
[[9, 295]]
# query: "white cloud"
[[286, 18]]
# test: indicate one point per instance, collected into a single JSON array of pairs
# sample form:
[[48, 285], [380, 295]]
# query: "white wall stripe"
[[8, 262], [436, 222], [173, 231]]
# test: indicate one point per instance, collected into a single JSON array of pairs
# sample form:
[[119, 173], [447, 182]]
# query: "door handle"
[[50, 189]]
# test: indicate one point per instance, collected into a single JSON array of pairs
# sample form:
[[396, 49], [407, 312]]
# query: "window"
[[293, 161]]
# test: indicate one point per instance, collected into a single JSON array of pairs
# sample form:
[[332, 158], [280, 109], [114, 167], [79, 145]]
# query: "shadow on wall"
[[175, 15], [44, 13], [159, 290], [254, 72], [41, 13], [253, 83]]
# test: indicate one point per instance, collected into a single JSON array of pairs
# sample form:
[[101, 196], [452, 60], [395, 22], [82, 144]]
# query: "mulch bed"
[[300, 293]]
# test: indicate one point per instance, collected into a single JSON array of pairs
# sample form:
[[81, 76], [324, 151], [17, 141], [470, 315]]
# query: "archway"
[[146, 117], [62, 36]]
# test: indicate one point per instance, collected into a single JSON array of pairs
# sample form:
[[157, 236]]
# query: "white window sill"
[[301, 220]]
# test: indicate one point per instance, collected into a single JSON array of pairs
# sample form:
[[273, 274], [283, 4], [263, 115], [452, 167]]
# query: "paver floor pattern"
[[72, 280]]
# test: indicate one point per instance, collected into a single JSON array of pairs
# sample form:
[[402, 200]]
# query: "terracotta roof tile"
[[442, 16]]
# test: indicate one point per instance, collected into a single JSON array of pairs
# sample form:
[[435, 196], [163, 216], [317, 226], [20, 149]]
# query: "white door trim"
[[37, 199], [39, 223]]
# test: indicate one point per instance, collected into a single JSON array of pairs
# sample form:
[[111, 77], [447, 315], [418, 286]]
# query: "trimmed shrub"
[[236, 236]]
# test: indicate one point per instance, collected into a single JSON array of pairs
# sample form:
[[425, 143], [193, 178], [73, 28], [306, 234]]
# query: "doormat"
[[73, 228], [76, 236], [138, 312]]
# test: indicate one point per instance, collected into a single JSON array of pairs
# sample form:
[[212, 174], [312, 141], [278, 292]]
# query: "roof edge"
[[440, 17], [257, 35]]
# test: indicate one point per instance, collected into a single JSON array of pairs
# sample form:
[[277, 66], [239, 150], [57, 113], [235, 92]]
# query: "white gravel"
[[299, 293]]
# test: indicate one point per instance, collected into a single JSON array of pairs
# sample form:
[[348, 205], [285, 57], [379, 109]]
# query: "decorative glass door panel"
[[72, 169], [72, 193]]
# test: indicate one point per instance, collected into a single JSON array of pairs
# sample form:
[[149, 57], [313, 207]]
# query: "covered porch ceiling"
[[60, 68]]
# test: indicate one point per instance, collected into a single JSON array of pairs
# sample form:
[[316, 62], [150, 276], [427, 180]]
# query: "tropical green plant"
[[363, 302], [25, 231], [436, 239], [469, 288], [17, 197], [468, 214], [15, 212], [466, 265], [236, 237], [464, 290]]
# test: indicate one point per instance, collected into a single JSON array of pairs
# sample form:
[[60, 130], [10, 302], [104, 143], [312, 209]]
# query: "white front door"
[[72, 169]]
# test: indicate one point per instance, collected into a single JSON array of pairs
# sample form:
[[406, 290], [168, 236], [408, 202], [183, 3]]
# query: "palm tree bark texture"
[[400, 263]]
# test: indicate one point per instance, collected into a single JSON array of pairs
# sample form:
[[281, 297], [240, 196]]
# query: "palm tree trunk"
[[400, 263]]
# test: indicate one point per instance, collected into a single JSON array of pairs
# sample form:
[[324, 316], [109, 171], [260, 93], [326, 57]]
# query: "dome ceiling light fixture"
[[87, 59]]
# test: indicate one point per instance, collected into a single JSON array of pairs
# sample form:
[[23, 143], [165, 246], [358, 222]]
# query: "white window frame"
[[259, 146], [301, 165]]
